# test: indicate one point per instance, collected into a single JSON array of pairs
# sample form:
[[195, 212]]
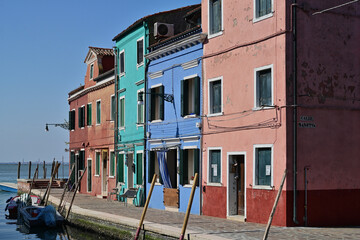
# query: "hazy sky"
[[43, 45]]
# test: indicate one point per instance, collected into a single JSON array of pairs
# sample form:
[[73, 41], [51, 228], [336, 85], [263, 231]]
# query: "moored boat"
[[40, 216], [14, 202]]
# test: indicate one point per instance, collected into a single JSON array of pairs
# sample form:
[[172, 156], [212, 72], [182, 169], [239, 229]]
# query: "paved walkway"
[[199, 227]]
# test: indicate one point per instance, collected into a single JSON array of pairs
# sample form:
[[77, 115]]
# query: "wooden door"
[[241, 188]]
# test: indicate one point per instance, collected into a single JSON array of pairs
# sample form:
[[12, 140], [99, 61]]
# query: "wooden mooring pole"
[[44, 169], [186, 219], [274, 207], [145, 207], [32, 182], [47, 192], [66, 185], [19, 165], [76, 189], [29, 170]]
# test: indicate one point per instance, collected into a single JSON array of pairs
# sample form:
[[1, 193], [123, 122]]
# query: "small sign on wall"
[[214, 168], [307, 122]]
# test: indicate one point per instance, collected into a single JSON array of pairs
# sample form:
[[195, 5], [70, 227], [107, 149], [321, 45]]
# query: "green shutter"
[[152, 104], [112, 165], [72, 162], [183, 166], [182, 98], [89, 114], [196, 164], [97, 172], [161, 107], [79, 117], [197, 95], [139, 168], [120, 168], [122, 112], [151, 166]]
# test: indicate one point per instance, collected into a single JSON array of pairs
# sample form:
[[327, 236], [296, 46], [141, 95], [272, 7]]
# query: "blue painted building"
[[173, 149]]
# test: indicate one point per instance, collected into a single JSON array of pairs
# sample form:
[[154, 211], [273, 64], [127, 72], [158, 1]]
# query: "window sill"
[[215, 114], [191, 116], [259, 19], [89, 126], [156, 121], [112, 177], [262, 187], [215, 34], [262, 108], [139, 65], [139, 125], [214, 184], [158, 184], [96, 175], [122, 74], [98, 124]]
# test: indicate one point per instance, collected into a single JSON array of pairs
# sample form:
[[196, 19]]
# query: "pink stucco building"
[[254, 128]]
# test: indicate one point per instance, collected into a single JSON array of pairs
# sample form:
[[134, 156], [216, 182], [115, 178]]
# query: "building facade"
[[174, 120], [279, 78], [91, 118], [131, 46]]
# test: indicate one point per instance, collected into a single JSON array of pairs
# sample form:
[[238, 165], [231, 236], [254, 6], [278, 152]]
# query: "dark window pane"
[[122, 62], [215, 166], [140, 51], [263, 166], [264, 82], [215, 97], [215, 16]]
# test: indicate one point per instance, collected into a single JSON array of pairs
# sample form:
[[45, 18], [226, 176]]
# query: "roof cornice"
[[176, 46]]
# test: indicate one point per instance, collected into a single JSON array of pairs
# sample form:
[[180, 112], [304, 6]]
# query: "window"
[[122, 112], [112, 164], [215, 96], [98, 112], [263, 9], [215, 17], [122, 63], [89, 175], [263, 87], [157, 103], [81, 116], [154, 167], [72, 119], [140, 51], [214, 166], [97, 164], [91, 71], [81, 163], [140, 108], [263, 165], [139, 172], [112, 107], [190, 96], [120, 168], [189, 165], [89, 114]]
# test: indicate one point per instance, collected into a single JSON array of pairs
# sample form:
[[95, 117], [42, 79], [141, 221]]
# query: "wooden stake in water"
[[32, 182], [29, 170], [19, 165], [145, 207], [66, 185], [186, 219], [73, 198]]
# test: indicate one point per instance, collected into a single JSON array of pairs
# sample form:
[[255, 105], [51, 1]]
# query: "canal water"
[[11, 229]]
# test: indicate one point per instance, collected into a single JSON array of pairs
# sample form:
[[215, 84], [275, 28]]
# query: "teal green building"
[[130, 69]]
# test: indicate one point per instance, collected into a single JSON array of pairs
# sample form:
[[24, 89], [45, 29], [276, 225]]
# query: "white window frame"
[[142, 63], [209, 98], [256, 90], [208, 164], [91, 74], [121, 73], [256, 146], [157, 120], [112, 176], [111, 105], [98, 123], [97, 175], [222, 20], [74, 119], [137, 113], [87, 184], [122, 127], [255, 19]]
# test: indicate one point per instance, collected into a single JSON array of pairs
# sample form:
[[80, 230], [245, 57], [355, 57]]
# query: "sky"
[[43, 45]]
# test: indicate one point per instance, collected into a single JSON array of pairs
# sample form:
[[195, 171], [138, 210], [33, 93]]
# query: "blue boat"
[[8, 187]]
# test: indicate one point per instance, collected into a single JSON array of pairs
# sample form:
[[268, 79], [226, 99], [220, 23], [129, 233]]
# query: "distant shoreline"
[[26, 163]]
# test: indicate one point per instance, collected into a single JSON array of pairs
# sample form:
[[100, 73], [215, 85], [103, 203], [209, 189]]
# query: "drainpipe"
[[147, 63], [294, 35], [116, 110]]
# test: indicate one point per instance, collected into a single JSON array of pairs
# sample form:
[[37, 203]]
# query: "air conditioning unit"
[[163, 29]]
